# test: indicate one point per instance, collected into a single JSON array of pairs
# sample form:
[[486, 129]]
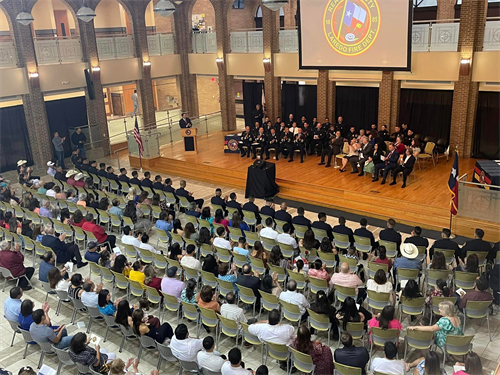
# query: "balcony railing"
[[491, 40], [58, 50], [289, 40], [161, 44], [204, 42], [247, 41], [8, 54], [115, 47], [430, 37]]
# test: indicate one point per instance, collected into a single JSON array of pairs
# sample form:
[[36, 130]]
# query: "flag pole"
[[140, 153]]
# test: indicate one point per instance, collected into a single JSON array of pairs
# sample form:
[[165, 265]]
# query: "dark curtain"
[[357, 105], [299, 100], [486, 132], [427, 112], [64, 114], [14, 139], [252, 95]]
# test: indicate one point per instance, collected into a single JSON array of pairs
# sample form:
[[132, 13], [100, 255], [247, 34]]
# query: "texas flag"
[[453, 186], [354, 16]]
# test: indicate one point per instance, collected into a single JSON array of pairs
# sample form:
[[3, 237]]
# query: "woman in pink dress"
[[318, 270], [385, 320]]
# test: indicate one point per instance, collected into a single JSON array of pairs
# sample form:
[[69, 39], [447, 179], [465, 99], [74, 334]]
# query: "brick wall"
[[206, 8], [290, 11], [243, 18], [446, 9], [208, 94], [163, 24], [168, 93], [385, 98]]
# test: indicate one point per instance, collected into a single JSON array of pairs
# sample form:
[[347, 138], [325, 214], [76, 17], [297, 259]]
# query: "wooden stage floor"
[[425, 201]]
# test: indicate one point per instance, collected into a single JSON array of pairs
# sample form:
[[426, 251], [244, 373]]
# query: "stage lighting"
[[164, 8], [85, 13], [274, 4]]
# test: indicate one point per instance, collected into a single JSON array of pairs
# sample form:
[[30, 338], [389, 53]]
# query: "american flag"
[[138, 138]]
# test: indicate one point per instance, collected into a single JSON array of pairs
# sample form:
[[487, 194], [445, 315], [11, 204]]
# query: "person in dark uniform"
[[417, 239], [318, 139], [233, 203], [252, 207], [255, 130], [158, 185], [300, 219], [363, 232], [303, 120], [298, 144], [185, 122], [146, 181], [285, 144], [272, 143], [246, 140], [282, 215], [280, 129], [445, 243], [322, 224], [477, 245], [343, 229], [277, 124], [383, 133], [405, 166], [314, 123], [102, 170], [218, 200], [291, 120], [257, 114], [93, 167], [340, 126], [259, 141], [307, 132], [85, 165], [267, 128], [268, 209], [397, 133], [326, 125], [112, 176], [351, 134], [390, 234], [404, 129], [332, 148], [123, 175], [135, 179], [409, 138], [182, 192], [374, 127]]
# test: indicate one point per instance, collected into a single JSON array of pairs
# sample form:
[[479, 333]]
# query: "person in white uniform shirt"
[[208, 359], [90, 296], [146, 245], [183, 347], [220, 241], [234, 366], [129, 239], [291, 296], [189, 260], [389, 365], [268, 231], [285, 236], [272, 331]]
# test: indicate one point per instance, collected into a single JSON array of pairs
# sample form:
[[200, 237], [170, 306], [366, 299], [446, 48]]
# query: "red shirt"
[[97, 230], [13, 261], [155, 283], [80, 183], [400, 149], [80, 224], [384, 261], [70, 181]]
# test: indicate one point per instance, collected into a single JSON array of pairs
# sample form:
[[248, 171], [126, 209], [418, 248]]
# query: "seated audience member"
[[252, 207], [347, 279], [121, 265], [12, 305], [234, 366], [219, 219], [233, 203], [115, 209], [182, 192], [56, 279], [231, 310], [150, 278], [390, 234], [47, 263], [190, 232], [93, 253], [321, 354], [26, 315], [405, 166], [441, 290], [283, 215], [164, 223], [208, 299], [123, 175], [417, 239], [129, 239], [479, 293], [12, 259], [237, 222], [322, 305], [286, 238], [445, 243], [78, 219], [323, 225], [430, 364], [389, 364], [183, 347], [318, 270], [249, 279], [380, 284], [105, 305], [385, 320], [259, 252], [300, 219], [438, 262], [192, 210], [80, 352], [272, 330], [220, 240], [98, 231], [471, 264], [363, 232], [349, 312], [207, 359], [271, 285], [409, 259], [146, 181], [341, 228], [211, 265], [170, 285], [448, 324], [41, 330], [90, 294], [268, 209], [241, 248], [472, 365], [351, 355], [382, 258], [477, 245], [141, 326], [76, 288], [145, 245], [189, 293], [268, 231], [189, 259], [309, 241], [137, 272], [295, 298], [218, 200], [45, 209]]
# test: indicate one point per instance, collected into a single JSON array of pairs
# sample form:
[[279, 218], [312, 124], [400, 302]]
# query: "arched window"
[[258, 18]]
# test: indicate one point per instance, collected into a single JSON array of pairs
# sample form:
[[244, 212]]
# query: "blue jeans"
[[60, 158], [81, 152], [65, 340], [136, 107]]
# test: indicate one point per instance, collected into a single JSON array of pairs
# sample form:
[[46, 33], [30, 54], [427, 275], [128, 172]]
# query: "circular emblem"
[[232, 144], [188, 131], [351, 26]]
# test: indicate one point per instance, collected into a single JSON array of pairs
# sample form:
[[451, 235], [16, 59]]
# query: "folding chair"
[[377, 301], [280, 271], [45, 348], [278, 352], [205, 249], [290, 312], [63, 357], [465, 280], [478, 310], [299, 230], [127, 333], [121, 282], [362, 244], [279, 225], [457, 345], [356, 329], [407, 274], [286, 250], [328, 258], [28, 340], [165, 354], [115, 222], [191, 367], [341, 369], [268, 243], [315, 285], [319, 234], [247, 296], [62, 296], [258, 265], [209, 318], [146, 256], [229, 327], [434, 275], [342, 292], [353, 263], [190, 312], [448, 254], [320, 322], [136, 288], [208, 278], [412, 307], [263, 219], [299, 278], [380, 336], [78, 306], [225, 287], [341, 241], [147, 343], [172, 304], [153, 297], [239, 259], [159, 261], [249, 218], [422, 340], [7, 275], [268, 302], [390, 247], [15, 327]]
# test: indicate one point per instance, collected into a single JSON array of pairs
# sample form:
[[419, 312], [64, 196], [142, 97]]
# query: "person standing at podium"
[[185, 122]]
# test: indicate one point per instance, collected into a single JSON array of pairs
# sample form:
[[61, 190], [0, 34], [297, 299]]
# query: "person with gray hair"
[[64, 251], [364, 153], [45, 209], [12, 259], [193, 210], [291, 296], [82, 197]]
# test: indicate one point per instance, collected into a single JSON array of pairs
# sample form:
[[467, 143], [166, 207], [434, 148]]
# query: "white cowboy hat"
[[409, 250], [71, 172], [21, 162], [50, 164], [79, 176]]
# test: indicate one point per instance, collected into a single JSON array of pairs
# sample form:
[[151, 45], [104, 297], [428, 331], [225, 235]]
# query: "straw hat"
[[21, 162], [409, 250], [79, 176], [70, 173]]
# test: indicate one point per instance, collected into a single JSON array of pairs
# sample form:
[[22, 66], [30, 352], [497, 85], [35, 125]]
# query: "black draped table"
[[261, 181]]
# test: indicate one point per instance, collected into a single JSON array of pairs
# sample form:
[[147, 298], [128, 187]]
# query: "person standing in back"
[[59, 148], [135, 101]]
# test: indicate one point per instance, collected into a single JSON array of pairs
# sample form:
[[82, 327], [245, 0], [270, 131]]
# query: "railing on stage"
[[478, 201]]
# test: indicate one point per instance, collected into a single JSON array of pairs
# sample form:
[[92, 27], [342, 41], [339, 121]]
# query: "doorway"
[[62, 24]]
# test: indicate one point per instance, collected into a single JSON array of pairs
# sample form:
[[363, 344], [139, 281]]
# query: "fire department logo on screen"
[[351, 26]]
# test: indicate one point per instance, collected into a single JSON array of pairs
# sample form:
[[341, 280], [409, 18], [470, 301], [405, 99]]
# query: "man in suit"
[[185, 122], [182, 192], [478, 245], [272, 143], [417, 239], [351, 355], [93, 167], [252, 207], [322, 224], [406, 166], [261, 142], [192, 211], [302, 122], [102, 170], [298, 144], [60, 174], [365, 152], [268, 209], [280, 129], [218, 200], [340, 126], [318, 139], [286, 143], [277, 124], [255, 130], [249, 279], [282, 215], [363, 232], [64, 251], [390, 162], [341, 228], [390, 234], [135, 179], [123, 175], [445, 243], [300, 219], [146, 181], [85, 165], [157, 185], [233, 203], [246, 141]]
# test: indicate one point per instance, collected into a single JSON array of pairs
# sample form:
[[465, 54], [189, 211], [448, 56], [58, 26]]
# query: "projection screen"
[[355, 34]]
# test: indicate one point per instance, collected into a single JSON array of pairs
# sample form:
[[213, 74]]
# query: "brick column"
[[226, 84], [470, 40], [396, 96], [183, 43], [445, 9], [33, 103], [272, 84], [290, 11], [385, 98], [326, 97]]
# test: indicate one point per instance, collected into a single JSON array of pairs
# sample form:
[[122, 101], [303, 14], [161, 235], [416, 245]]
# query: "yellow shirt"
[[137, 276]]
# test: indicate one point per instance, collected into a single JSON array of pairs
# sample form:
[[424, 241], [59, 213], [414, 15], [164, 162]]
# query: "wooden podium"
[[189, 135]]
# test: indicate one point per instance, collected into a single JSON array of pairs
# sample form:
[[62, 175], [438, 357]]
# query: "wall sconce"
[[464, 67], [267, 64], [147, 67], [34, 79], [96, 72], [220, 63]]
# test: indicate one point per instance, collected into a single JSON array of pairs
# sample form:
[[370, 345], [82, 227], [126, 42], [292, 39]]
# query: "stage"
[[424, 202]]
